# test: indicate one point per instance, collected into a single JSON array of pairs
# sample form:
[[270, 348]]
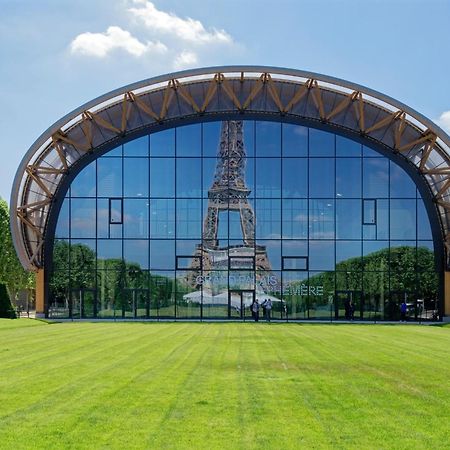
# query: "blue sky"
[[56, 55]]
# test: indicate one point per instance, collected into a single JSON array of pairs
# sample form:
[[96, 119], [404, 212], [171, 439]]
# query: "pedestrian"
[[255, 309], [263, 306], [347, 308], [403, 310], [268, 303], [352, 310]]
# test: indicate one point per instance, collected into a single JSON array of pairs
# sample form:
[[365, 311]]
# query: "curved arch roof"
[[156, 102]]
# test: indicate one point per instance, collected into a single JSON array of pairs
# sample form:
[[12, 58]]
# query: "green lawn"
[[223, 385]]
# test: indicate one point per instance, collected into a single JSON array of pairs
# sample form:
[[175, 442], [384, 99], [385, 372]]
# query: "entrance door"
[[239, 304], [83, 303], [349, 305]]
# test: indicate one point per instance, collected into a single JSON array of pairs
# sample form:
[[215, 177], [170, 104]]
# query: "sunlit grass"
[[223, 385]]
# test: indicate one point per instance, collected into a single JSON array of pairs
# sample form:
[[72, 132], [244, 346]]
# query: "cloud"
[[189, 30], [100, 44], [444, 121], [185, 59]]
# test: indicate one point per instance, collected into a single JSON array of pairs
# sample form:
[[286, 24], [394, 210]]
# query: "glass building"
[[197, 220]]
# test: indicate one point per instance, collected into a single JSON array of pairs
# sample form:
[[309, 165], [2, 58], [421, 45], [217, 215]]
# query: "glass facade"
[[199, 221]]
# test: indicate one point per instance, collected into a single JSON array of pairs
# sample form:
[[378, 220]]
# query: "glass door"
[[83, 303], [349, 305], [239, 304]]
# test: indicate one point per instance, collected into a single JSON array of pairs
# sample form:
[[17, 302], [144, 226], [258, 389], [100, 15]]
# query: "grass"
[[223, 385]]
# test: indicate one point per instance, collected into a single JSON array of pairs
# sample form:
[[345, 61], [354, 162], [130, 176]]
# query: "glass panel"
[[163, 143], [403, 219], [295, 177], [295, 248], [62, 226], [321, 255], [188, 139], [369, 211], [268, 138], [83, 218], [162, 254], [162, 294], [189, 219], [115, 211], [84, 184], [321, 177], [321, 219], [295, 140], [249, 137], [135, 182], [375, 178], [423, 223], [209, 169], [425, 256], [348, 252], [376, 255], [401, 184], [268, 224], [376, 292], [321, 143], [272, 249], [188, 298], [347, 147], [370, 153], [109, 177], [162, 218], [268, 177], [211, 138], [348, 177], [82, 263], [136, 218], [320, 298], [137, 147], [348, 219], [189, 180], [162, 177], [136, 252], [295, 295], [109, 249], [295, 263], [295, 219]]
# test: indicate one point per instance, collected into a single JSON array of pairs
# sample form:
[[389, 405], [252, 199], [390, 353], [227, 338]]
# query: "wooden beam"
[[317, 98], [102, 122], [274, 93], [60, 135], [31, 207], [168, 95], [444, 187], [343, 104], [254, 92], [186, 96], [226, 86], [212, 88], [143, 106], [426, 137], [427, 152], [299, 94], [384, 122], [32, 174], [399, 130], [22, 217]]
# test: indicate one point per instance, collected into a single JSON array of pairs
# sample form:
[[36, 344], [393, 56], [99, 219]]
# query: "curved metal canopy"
[[156, 102]]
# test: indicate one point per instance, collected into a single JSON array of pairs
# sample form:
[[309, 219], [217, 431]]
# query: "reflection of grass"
[[227, 385]]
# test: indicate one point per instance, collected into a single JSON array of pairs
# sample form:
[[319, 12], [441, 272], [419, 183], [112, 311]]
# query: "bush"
[[6, 308]]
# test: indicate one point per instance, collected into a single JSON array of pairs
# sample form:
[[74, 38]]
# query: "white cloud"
[[444, 121], [187, 29], [100, 44], [185, 59]]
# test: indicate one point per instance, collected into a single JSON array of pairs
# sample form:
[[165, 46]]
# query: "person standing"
[[403, 310], [255, 309], [268, 303]]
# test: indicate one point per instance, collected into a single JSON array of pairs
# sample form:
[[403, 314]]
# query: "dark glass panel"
[[375, 177], [376, 292], [321, 143], [137, 147], [135, 181], [162, 294], [249, 177], [188, 298], [295, 178], [321, 219], [136, 218], [320, 295], [162, 254], [423, 223], [321, 255], [162, 218], [403, 219], [234, 225], [382, 219], [321, 177], [83, 218], [61, 255], [163, 143], [109, 177], [401, 184], [189, 218], [249, 137], [62, 226], [349, 281], [295, 140], [188, 139], [348, 219], [347, 147], [295, 219], [370, 153], [211, 138], [209, 169], [162, 177], [135, 252], [348, 177], [268, 139], [425, 256], [189, 180], [82, 262], [268, 224], [268, 177], [294, 248], [85, 183], [114, 152]]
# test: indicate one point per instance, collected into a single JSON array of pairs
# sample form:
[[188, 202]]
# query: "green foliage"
[[12, 273], [223, 386], [6, 309]]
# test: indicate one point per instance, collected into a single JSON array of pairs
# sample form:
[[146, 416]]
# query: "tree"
[[6, 309], [12, 274]]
